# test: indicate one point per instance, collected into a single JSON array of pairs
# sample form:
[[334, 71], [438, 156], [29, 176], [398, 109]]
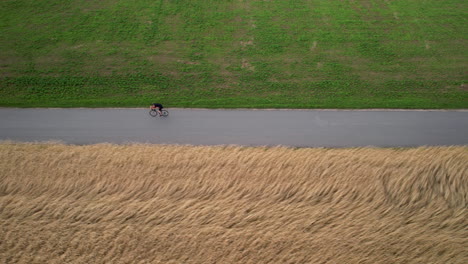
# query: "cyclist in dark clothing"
[[157, 106]]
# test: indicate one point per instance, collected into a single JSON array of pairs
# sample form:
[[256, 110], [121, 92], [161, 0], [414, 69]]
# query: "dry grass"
[[183, 204]]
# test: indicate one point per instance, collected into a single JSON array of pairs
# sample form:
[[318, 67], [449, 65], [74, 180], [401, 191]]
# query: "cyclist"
[[157, 106]]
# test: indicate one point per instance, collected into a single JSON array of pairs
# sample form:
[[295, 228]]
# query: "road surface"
[[299, 128]]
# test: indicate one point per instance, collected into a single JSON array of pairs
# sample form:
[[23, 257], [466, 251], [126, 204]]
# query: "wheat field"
[[140, 203]]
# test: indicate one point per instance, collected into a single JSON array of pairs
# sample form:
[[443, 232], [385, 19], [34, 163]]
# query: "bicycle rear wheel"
[[153, 113]]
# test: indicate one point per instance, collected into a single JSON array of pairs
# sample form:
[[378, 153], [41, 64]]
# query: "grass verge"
[[231, 54]]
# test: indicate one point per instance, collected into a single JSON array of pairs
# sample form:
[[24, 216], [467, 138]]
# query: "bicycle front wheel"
[[164, 113], [153, 113]]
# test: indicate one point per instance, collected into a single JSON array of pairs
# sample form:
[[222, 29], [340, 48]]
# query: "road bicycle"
[[155, 113]]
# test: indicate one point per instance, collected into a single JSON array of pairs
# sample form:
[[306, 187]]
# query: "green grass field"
[[228, 54]]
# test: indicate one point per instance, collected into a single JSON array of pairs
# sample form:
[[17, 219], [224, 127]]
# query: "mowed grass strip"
[[227, 204], [227, 54]]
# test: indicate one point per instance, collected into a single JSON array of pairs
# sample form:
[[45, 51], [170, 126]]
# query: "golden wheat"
[[227, 204]]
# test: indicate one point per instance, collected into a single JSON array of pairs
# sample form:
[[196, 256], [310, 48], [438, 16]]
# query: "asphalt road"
[[301, 128]]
